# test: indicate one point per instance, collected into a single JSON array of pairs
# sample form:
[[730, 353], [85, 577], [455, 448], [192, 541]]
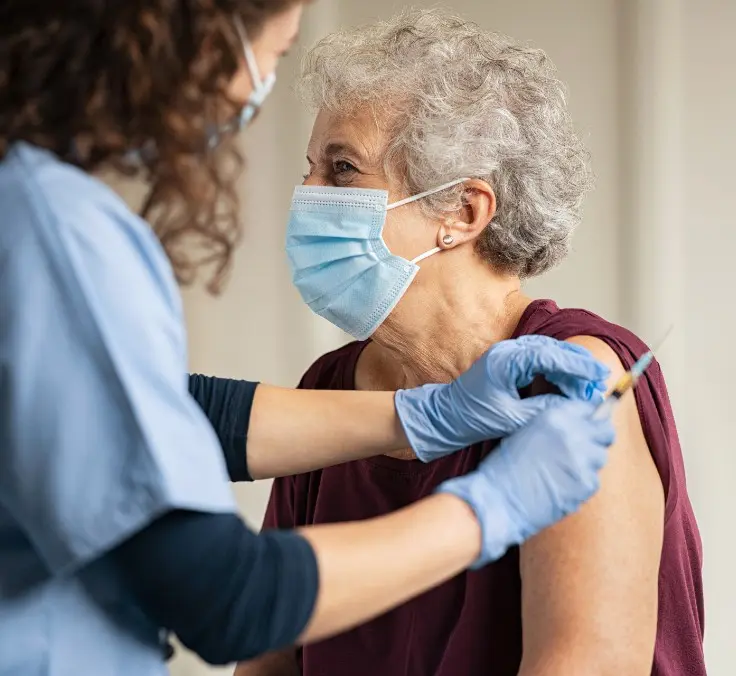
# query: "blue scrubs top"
[[98, 434]]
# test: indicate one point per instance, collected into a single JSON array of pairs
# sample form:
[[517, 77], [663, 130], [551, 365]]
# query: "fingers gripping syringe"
[[628, 380]]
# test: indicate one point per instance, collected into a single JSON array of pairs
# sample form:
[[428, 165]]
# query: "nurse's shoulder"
[[99, 434], [62, 213]]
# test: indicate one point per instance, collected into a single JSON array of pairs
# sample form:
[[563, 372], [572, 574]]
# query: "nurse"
[[117, 525]]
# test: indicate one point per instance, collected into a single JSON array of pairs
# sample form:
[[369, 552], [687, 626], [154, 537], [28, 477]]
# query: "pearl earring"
[[448, 239]]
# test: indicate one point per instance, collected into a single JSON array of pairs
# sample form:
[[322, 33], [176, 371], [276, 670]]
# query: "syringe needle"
[[661, 341]]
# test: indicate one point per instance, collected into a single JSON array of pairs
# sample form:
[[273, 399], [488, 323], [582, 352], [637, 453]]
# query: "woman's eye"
[[343, 167]]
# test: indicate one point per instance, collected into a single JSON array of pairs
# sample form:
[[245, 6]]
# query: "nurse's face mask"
[[339, 261], [262, 87]]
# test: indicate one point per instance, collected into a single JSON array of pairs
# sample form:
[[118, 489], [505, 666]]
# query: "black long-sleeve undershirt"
[[227, 593], [227, 404]]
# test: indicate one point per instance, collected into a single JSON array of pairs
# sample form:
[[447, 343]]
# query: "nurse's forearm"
[[295, 431], [426, 543], [230, 594]]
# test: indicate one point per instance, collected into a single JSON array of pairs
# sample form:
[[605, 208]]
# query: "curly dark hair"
[[92, 79]]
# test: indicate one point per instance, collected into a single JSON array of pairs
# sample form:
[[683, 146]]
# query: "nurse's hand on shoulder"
[[484, 403], [536, 477]]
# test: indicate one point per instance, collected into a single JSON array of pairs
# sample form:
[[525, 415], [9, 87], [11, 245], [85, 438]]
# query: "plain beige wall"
[[652, 90], [709, 326]]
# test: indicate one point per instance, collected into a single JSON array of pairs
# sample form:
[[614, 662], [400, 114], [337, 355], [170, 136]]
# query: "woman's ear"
[[476, 212]]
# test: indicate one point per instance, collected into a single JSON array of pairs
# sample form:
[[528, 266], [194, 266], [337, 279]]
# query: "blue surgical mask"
[[339, 261], [262, 87]]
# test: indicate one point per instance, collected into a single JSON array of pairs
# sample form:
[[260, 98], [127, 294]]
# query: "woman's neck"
[[436, 334]]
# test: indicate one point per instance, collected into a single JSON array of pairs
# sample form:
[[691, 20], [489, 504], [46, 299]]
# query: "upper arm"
[[286, 509], [589, 583], [257, 593], [227, 404], [281, 513], [97, 430]]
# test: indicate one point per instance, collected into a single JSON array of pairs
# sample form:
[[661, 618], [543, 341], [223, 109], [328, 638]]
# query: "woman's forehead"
[[357, 133]]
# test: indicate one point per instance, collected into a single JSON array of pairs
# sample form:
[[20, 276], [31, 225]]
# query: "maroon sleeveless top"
[[471, 625]]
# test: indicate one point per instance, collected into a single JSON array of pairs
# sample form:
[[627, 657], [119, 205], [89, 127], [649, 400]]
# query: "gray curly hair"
[[461, 101]]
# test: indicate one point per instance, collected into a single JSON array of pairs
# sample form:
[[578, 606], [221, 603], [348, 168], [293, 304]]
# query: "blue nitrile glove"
[[535, 477], [484, 402]]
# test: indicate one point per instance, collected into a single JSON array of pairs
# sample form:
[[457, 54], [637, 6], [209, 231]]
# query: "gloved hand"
[[535, 477], [484, 402]]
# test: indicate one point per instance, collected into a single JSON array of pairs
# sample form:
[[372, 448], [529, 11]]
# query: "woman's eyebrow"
[[339, 148]]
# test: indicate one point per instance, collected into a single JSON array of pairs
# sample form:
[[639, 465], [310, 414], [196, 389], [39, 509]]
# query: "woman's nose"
[[315, 179]]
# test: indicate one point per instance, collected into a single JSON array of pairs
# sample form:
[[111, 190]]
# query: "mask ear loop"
[[250, 57], [414, 198], [426, 254], [426, 193]]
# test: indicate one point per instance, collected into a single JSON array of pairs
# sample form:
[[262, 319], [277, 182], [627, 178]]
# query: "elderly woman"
[[473, 126]]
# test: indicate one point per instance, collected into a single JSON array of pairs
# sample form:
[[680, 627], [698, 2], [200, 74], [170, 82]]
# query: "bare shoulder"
[[601, 351], [590, 582], [630, 434]]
